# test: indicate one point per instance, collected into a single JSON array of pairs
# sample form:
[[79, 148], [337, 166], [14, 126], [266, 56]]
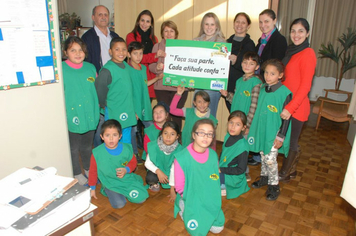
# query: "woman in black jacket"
[[241, 43], [271, 45]]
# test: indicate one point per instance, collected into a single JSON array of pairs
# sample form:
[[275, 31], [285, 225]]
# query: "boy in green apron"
[[114, 88], [113, 162]]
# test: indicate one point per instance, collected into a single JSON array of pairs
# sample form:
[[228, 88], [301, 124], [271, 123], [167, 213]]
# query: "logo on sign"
[[217, 85]]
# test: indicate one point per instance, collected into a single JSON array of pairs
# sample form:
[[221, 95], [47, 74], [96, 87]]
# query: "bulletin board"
[[27, 44]]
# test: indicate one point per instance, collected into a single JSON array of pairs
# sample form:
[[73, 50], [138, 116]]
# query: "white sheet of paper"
[[41, 43], [47, 72]]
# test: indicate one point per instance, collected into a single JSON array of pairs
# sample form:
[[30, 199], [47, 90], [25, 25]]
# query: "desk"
[[80, 225]]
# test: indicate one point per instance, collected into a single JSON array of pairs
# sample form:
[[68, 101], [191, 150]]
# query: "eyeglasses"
[[202, 134]]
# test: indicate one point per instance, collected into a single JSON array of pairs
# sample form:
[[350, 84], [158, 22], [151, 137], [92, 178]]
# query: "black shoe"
[[139, 160], [272, 192], [260, 182], [139, 136], [252, 162]]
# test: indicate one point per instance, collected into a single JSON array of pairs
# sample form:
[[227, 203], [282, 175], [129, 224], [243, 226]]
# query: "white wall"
[[83, 8], [321, 83], [33, 126]]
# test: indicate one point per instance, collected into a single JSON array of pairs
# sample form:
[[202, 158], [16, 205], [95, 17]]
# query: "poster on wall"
[[197, 64], [27, 44]]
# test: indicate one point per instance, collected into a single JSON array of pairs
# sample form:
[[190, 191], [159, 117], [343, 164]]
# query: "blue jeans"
[[133, 135], [257, 157], [214, 100], [116, 200], [126, 135], [222, 179], [97, 138]]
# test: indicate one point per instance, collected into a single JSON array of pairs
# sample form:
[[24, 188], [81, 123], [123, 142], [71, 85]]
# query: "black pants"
[[297, 126], [151, 178]]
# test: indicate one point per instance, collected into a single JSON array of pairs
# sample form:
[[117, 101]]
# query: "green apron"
[[190, 119], [152, 133], [267, 121], [242, 96], [201, 195], [142, 102], [161, 160], [81, 99], [235, 184], [131, 185], [119, 100]]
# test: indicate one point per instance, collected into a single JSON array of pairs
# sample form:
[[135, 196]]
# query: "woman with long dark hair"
[[300, 63], [143, 32]]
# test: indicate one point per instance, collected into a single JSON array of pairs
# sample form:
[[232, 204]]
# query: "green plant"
[[68, 21], [343, 59]]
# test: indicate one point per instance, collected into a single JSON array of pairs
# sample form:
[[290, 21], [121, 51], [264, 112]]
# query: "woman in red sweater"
[[143, 32], [300, 62]]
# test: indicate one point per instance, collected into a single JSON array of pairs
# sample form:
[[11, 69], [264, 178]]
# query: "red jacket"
[[299, 74], [146, 60]]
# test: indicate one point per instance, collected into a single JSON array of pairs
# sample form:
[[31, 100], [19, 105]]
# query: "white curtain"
[[352, 107], [62, 6], [348, 191]]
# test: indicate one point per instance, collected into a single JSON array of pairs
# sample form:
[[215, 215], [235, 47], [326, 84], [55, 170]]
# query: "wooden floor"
[[309, 205]]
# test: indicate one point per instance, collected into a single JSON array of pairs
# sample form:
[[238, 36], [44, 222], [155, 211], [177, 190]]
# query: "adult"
[[98, 40], [241, 43], [300, 62], [271, 45], [143, 32], [210, 30], [164, 93]]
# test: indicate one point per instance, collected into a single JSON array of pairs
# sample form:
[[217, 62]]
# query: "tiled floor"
[[309, 205]]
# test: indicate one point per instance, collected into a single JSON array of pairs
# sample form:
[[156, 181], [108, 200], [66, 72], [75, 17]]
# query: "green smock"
[[131, 185], [235, 184]]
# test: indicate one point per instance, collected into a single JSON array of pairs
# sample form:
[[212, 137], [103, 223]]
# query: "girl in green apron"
[[233, 159], [269, 133], [159, 160], [160, 114], [196, 180], [200, 111]]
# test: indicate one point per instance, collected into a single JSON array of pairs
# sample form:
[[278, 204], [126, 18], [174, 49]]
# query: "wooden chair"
[[332, 109]]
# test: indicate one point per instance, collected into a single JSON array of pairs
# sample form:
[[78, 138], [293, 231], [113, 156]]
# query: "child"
[[246, 92], [160, 114], [82, 106], [114, 88], [196, 180], [269, 132], [142, 102], [247, 88], [160, 158], [201, 102], [113, 162], [233, 159]]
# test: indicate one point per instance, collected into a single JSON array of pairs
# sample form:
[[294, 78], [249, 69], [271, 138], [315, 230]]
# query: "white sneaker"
[[223, 192]]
